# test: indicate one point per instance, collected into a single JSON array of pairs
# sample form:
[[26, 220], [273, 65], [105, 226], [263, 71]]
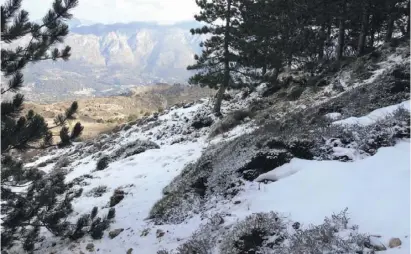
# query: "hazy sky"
[[112, 11]]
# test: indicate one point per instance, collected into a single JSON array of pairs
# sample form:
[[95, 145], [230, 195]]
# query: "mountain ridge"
[[114, 57]]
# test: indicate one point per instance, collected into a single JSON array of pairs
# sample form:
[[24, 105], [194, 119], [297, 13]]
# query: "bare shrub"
[[97, 191], [229, 122], [117, 196], [102, 163], [62, 162], [133, 148], [328, 237], [265, 233], [174, 208], [295, 92], [203, 241], [255, 232]]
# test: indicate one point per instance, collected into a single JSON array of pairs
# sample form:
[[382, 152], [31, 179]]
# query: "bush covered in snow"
[[174, 207], [221, 169], [97, 191], [117, 196], [265, 233], [204, 240], [133, 148], [319, 138], [333, 236], [219, 172], [258, 232], [91, 224], [62, 162]]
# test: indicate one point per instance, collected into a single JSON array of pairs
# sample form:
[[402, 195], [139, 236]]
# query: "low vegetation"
[[272, 233], [102, 163], [230, 121]]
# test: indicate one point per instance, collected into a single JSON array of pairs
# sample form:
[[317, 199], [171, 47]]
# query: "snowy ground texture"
[[285, 204]]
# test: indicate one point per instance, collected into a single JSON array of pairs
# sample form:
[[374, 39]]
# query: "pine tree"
[[258, 42], [42, 200], [217, 63]]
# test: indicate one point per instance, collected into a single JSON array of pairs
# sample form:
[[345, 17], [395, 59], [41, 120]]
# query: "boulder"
[[394, 242], [112, 234], [160, 233], [90, 247], [118, 195]]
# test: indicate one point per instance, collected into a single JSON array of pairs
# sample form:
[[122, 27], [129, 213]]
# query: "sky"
[[121, 11]]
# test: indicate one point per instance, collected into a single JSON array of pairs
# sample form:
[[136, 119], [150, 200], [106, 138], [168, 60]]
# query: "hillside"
[[102, 114], [109, 59], [316, 165]]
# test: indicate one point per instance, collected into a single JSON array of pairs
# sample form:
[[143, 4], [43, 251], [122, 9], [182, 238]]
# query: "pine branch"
[[47, 24]]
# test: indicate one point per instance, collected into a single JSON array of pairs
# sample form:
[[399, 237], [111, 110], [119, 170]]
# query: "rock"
[[295, 92], [145, 232], [400, 73], [375, 244], [263, 162], [394, 242], [160, 233], [129, 251], [296, 225], [112, 234], [188, 105], [321, 83], [201, 122], [90, 247], [237, 202]]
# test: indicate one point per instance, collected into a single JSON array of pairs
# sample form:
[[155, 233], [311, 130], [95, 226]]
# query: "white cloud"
[[112, 11]]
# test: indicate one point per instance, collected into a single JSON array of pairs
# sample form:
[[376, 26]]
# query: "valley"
[[102, 114], [111, 59]]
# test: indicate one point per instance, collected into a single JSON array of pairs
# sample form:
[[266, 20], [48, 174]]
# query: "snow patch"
[[375, 115], [376, 192], [333, 116]]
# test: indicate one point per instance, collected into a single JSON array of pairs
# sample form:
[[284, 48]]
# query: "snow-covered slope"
[[304, 172]]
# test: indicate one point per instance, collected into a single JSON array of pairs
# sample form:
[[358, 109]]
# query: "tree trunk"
[[224, 85], [341, 33], [390, 22], [407, 29], [328, 38], [372, 32], [289, 60], [390, 28], [264, 69], [364, 28], [219, 99], [321, 43]]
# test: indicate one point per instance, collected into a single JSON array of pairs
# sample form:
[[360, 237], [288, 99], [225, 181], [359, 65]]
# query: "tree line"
[[249, 39], [32, 199]]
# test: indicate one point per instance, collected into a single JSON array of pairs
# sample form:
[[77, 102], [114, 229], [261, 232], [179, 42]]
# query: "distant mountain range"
[[108, 59]]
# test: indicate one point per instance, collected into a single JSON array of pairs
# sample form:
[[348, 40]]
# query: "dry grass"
[[101, 115]]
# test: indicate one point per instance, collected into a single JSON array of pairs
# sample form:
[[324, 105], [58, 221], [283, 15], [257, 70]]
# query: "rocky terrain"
[[109, 59], [313, 165]]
